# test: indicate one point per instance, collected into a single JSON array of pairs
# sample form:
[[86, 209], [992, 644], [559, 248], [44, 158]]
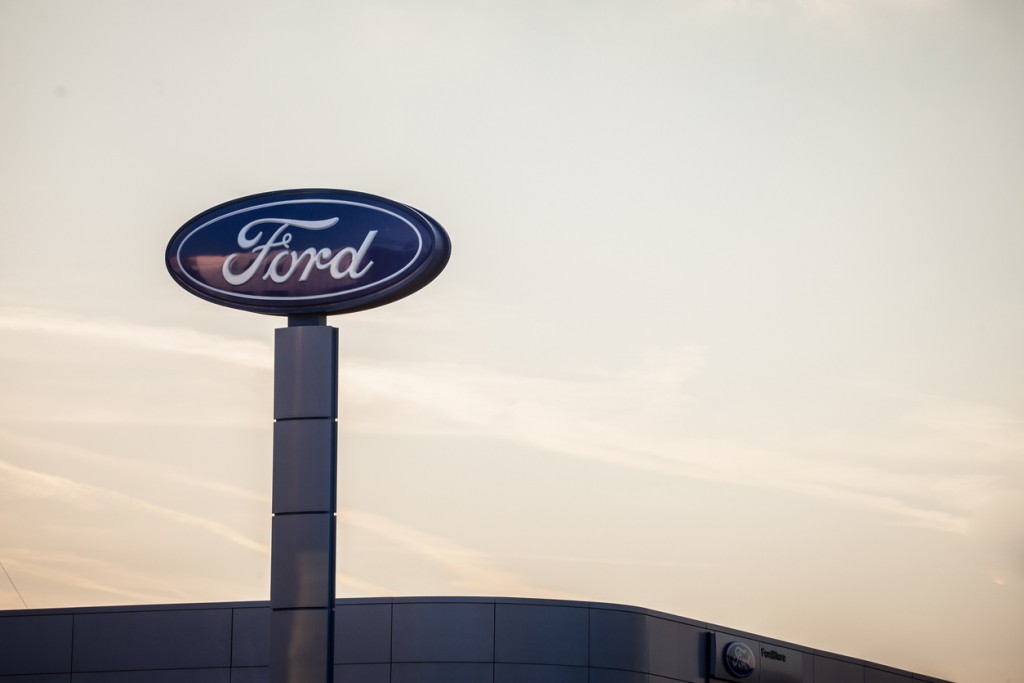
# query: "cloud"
[[147, 468], [61, 570], [474, 572], [999, 433], [831, 15], [640, 419], [245, 352], [31, 483], [362, 587], [841, 8], [997, 528], [637, 418]]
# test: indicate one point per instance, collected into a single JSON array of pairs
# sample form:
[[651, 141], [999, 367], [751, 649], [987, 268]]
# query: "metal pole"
[[302, 555]]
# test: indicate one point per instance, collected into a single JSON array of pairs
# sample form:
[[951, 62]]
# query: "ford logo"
[[739, 659], [297, 252]]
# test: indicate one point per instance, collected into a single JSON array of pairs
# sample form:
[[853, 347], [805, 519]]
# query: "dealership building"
[[413, 640]]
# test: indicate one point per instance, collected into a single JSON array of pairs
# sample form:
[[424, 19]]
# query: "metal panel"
[[442, 673], [443, 632], [299, 645], [302, 564], [614, 676], [879, 676], [675, 649], [303, 386], [808, 667], [35, 644], [827, 670], [362, 673], [157, 676], [362, 634], [163, 639], [780, 664], [304, 465], [618, 640], [541, 634], [252, 674], [250, 637], [539, 673], [38, 678]]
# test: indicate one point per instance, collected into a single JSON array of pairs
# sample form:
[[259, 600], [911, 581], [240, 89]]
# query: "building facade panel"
[[443, 632], [676, 650], [362, 633], [539, 673], [442, 672], [250, 637], [361, 673], [35, 644], [250, 674], [617, 676], [541, 634], [155, 676], [829, 670], [157, 639], [873, 675], [619, 640]]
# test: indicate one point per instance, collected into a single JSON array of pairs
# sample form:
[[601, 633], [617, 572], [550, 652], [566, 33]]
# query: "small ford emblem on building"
[[739, 659], [297, 252]]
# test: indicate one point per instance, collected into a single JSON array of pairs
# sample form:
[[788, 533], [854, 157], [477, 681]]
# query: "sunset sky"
[[733, 326]]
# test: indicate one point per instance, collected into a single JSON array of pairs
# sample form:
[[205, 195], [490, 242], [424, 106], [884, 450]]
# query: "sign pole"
[[303, 542]]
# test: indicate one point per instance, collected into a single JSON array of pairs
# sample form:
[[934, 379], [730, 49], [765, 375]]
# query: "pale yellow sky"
[[732, 327]]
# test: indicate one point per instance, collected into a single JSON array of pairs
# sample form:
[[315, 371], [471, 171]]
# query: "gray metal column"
[[302, 554]]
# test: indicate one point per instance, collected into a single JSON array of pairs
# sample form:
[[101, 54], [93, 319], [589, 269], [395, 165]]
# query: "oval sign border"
[[432, 255]]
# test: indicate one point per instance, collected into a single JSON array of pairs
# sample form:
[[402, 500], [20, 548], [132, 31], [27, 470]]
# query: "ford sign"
[[298, 252], [739, 659]]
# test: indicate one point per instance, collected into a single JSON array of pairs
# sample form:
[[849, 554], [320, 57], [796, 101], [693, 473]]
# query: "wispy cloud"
[[361, 587], [141, 467], [825, 7], [841, 15], [90, 574], [245, 352], [28, 482], [999, 433], [998, 532], [473, 571], [636, 418], [640, 421]]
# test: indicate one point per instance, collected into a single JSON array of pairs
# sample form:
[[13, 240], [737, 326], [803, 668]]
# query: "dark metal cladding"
[[306, 252]]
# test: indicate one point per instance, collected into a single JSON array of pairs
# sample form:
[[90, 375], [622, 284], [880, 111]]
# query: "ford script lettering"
[[299, 252], [292, 259]]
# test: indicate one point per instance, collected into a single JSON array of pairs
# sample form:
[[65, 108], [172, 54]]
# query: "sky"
[[732, 327]]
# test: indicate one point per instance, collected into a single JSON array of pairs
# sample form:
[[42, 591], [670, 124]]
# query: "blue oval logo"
[[739, 659], [298, 252]]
